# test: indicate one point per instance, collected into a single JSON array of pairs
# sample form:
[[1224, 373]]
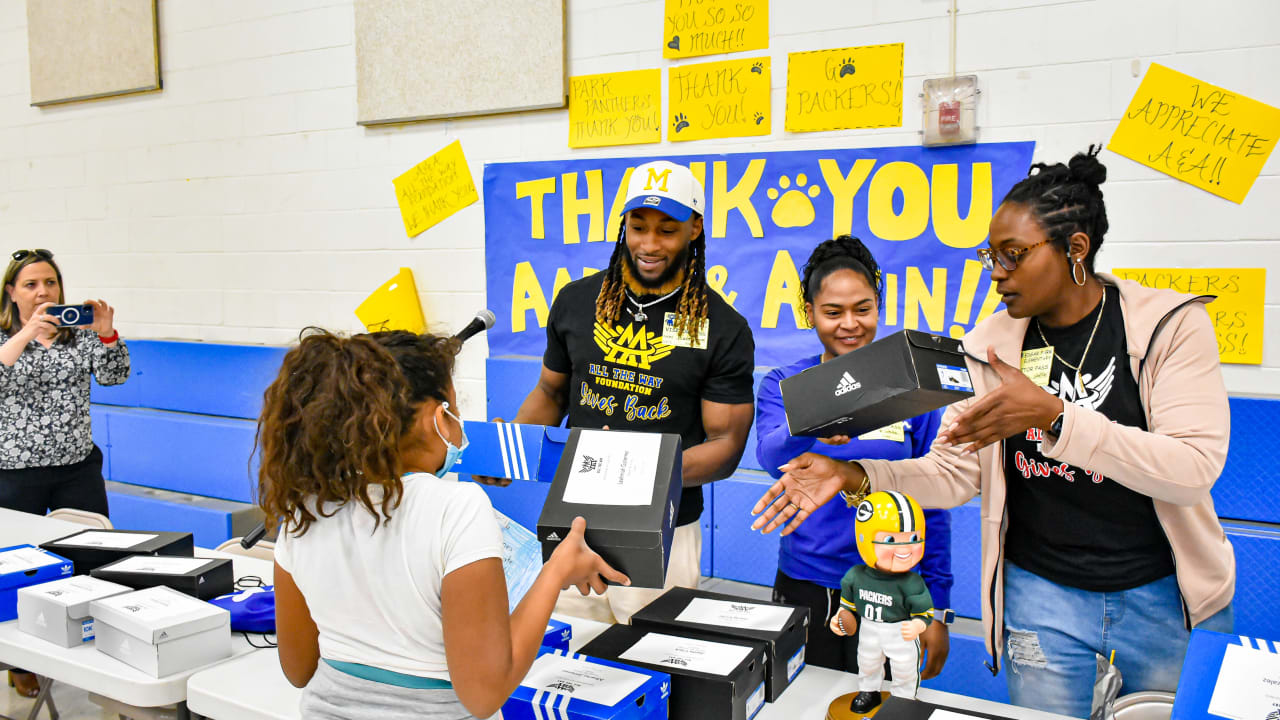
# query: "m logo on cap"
[[658, 177], [652, 200]]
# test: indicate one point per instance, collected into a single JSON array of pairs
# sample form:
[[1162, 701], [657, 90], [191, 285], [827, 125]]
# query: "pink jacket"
[[1173, 354]]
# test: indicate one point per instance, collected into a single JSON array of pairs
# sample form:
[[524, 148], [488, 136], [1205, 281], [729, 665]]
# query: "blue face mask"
[[453, 453]]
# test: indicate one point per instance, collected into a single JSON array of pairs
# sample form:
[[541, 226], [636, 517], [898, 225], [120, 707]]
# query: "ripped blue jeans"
[[1052, 631]]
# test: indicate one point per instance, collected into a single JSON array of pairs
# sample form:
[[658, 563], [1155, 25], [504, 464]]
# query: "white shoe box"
[[58, 611], [161, 631]]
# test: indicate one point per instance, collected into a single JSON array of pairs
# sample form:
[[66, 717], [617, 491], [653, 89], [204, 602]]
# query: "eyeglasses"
[[1007, 258], [21, 255]]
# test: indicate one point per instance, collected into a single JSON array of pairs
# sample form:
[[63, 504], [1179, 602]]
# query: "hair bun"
[[1086, 167]]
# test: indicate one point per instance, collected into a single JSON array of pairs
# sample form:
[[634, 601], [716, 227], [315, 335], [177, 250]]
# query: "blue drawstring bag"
[[252, 609]]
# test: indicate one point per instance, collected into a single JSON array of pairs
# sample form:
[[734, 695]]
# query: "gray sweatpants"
[[335, 695]]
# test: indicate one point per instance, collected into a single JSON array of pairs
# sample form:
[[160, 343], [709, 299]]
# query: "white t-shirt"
[[375, 594]]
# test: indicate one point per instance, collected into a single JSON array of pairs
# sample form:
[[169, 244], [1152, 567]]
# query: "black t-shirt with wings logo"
[[1067, 524], [641, 376]]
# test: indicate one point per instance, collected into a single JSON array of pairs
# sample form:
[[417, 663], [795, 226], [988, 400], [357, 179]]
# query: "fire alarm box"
[[950, 110]]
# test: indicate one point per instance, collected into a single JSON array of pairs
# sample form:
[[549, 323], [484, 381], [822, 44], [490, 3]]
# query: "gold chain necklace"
[[1102, 308]]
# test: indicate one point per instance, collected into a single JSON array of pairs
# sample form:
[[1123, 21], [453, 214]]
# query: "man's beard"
[[669, 280]]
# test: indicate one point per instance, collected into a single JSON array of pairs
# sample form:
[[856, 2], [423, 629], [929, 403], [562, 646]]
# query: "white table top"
[[85, 667], [254, 688]]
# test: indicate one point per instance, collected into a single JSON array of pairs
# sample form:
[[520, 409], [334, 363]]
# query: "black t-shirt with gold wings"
[[640, 376]]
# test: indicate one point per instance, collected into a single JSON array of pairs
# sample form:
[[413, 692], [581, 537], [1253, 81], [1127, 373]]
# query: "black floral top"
[[44, 399]]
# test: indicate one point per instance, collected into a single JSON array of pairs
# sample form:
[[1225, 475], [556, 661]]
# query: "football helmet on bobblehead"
[[884, 601]]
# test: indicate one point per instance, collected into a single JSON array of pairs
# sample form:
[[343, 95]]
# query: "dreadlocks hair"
[[333, 420], [842, 253], [691, 313], [1067, 199]]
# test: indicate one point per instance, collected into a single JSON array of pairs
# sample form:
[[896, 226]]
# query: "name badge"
[[1037, 363], [670, 337], [892, 433]]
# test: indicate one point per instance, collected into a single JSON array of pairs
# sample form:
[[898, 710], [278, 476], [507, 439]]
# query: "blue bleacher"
[[179, 435]]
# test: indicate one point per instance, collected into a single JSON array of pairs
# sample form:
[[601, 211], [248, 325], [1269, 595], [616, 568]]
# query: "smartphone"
[[72, 315]]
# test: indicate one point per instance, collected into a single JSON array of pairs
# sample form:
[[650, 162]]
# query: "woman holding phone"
[[47, 456]]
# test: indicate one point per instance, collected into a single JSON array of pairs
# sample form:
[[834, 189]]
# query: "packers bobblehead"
[[884, 601]]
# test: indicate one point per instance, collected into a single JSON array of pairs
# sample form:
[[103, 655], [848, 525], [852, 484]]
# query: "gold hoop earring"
[[1084, 276]]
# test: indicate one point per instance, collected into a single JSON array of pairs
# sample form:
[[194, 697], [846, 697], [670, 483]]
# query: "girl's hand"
[[579, 566]]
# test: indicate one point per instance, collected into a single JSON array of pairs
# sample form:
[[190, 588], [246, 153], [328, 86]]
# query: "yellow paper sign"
[[857, 87], [706, 27], [434, 189], [1236, 314], [622, 108], [1037, 363], [394, 306], [894, 432], [718, 99], [1199, 133]]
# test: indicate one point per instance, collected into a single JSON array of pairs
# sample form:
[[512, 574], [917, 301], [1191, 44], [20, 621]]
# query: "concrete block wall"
[[242, 202]]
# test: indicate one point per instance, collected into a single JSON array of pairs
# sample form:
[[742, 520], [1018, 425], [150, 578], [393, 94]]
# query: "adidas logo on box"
[[553, 537], [847, 385]]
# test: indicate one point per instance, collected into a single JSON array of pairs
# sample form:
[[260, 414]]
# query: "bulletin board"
[[421, 59], [85, 49]]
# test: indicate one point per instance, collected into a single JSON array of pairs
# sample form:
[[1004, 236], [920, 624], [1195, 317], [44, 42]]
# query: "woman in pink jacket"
[[1098, 532]]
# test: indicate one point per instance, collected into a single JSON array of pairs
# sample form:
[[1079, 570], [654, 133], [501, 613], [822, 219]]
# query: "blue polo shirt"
[[823, 549]]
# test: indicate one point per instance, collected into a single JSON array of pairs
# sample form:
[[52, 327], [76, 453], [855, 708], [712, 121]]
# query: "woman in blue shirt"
[[841, 290]]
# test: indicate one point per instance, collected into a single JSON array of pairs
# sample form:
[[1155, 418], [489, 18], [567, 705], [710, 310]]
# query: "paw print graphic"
[[758, 68], [680, 122], [759, 118], [793, 208], [847, 68]]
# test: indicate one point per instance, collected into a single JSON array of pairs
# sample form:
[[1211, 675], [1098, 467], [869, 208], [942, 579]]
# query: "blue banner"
[[921, 211]]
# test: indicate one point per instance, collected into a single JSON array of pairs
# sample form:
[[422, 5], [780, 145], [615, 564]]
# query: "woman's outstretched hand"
[[808, 483]]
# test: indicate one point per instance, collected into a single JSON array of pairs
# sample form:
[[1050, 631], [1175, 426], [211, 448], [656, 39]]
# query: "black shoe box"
[[86, 552], [733, 617], [734, 690], [200, 578], [906, 374], [627, 486]]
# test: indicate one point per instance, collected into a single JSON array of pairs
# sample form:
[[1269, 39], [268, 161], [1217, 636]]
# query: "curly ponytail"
[[333, 419]]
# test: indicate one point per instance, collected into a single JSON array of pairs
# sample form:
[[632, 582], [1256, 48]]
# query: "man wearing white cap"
[[646, 346]]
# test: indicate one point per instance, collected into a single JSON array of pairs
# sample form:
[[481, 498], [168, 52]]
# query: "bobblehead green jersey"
[[890, 601]]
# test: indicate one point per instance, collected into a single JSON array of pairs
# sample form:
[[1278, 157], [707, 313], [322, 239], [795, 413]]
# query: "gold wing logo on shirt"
[[628, 346]]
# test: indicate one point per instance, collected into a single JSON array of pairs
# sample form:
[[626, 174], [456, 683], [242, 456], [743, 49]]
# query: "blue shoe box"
[[570, 686], [22, 566], [558, 635], [517, 452]]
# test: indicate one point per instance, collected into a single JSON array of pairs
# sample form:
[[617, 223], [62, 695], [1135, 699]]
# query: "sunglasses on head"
[[41, 253]]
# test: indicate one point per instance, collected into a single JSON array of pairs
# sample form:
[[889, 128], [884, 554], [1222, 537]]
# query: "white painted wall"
[[242, 202]]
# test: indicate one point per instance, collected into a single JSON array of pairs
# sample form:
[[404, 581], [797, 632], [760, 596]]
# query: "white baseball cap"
[[665, 186]]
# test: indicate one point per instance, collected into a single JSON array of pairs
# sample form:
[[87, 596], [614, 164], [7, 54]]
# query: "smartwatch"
[[946, 617], [1056, 427]]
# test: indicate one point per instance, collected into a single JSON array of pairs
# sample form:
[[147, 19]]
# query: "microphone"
[[481, 322]]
